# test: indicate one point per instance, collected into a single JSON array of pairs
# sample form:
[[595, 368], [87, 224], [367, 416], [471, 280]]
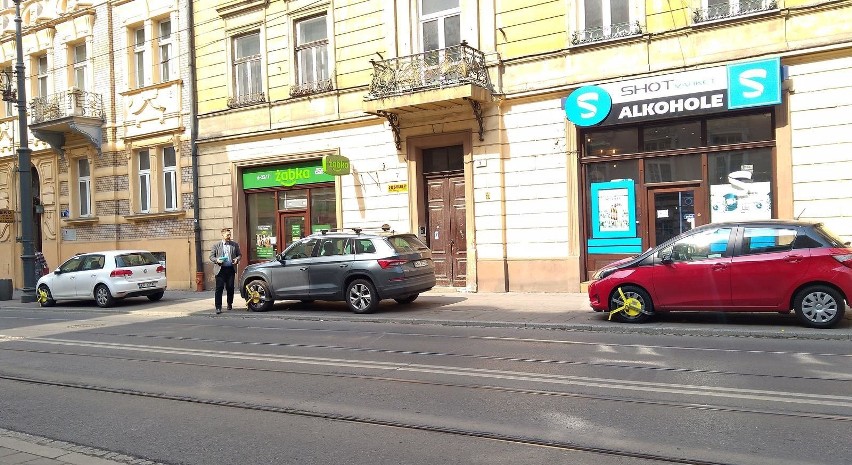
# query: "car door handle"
[[303, 268], [344, 265], [793, 258], [719, 266]]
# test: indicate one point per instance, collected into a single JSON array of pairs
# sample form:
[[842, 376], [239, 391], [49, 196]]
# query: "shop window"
[[296, 199], [671, 136], [442, 159], [323, 209], [611, 142], [609, 171], [736, 129], [673, 169], [740, 185], [263, 223]]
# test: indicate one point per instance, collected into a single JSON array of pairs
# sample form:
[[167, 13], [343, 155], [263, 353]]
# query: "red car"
[[752, 266]]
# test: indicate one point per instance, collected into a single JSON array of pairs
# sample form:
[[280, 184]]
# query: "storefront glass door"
[[674, 211], [292, 228]]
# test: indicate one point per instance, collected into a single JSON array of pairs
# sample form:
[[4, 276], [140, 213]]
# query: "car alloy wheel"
[[819, 306], [631, 304], [361, 296], [103, 297], [258, 296]]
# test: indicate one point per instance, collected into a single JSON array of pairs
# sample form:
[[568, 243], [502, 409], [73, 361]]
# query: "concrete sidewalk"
[[26, 449]]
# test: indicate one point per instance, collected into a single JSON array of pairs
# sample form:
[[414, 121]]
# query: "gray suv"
[[357, 267]]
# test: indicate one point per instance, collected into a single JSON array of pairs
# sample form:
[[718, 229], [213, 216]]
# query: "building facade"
[[461, 121], [109, 109]]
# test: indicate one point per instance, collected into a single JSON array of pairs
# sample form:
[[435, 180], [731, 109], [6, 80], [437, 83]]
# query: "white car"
[[104, 277]]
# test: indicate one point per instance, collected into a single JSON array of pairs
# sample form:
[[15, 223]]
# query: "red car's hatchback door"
[[694, 272]]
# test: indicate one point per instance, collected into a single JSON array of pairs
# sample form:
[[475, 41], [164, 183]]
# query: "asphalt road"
[[198, 389]]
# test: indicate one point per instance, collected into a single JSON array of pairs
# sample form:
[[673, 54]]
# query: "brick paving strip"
[[26, 449]]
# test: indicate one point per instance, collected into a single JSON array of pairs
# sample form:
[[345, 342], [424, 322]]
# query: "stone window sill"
[[155, 216], [81, 221]]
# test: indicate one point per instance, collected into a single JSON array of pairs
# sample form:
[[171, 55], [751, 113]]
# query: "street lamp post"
[[24, 171]]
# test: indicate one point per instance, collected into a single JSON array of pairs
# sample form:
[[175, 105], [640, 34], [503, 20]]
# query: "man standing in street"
[[225, 257]]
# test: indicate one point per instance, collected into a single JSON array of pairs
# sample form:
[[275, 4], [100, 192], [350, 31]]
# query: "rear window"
[[136, 259], [833, 239], [406, 243]]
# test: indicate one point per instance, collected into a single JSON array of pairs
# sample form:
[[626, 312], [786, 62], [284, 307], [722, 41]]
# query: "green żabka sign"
[[285, 175], [335, 165]]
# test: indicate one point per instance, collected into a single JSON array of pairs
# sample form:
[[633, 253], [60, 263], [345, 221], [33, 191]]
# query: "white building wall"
[[821, 121]]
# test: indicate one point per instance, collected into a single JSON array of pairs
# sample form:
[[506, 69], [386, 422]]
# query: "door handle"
[[718, 266], [303, 268], [343, 265], [793, 258]]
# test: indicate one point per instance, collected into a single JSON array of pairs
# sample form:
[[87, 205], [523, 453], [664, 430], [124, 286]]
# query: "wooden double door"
[[446, 227]]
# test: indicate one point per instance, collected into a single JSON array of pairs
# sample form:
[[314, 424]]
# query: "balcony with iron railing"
[[730, 10], [71, 112], [446, 75], [605, 33]]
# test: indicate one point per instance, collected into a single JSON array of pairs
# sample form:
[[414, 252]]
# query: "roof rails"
[[384, 228]]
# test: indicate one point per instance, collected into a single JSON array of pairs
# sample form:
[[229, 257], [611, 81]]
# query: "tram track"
[[462, 432]]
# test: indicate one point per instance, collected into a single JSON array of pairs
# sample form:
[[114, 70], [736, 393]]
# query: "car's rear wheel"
[[156, 296], [634, 303], [407, 299], [103, 297], [361, 296], [819, 306], [259, 297], [45, 298]]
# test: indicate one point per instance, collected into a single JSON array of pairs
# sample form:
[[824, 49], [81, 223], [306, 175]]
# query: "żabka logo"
[[290, 176], [588, 105]]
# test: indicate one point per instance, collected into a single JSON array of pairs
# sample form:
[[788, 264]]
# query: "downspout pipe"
[[193, 109]]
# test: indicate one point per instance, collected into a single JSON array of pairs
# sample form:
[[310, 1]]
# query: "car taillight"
[[845, 259], [120, 273], [161, 269], [390, 263]]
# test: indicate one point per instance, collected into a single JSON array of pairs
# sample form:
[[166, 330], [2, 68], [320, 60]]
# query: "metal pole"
[[24, 170]]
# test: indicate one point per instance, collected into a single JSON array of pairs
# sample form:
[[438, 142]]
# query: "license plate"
[[420, 263], [147, 285]]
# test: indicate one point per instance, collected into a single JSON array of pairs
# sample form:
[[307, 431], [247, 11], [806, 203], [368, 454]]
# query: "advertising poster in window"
[[265, 241], [740, 199], [613, 210], [613, 218]]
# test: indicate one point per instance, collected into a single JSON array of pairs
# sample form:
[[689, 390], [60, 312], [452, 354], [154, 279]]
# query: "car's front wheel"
[[407, 299], [361, 296], [45, 298], [156, 296], [258, 296], [634, 305], [103, 297], [819, 306]]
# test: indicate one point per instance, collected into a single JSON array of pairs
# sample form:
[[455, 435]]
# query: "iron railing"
[[732, 10], [608, 32], [310, 88], [436, 69], [64, 104], [246, 99]]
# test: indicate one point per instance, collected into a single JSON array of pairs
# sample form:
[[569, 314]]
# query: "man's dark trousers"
[[225, 280]]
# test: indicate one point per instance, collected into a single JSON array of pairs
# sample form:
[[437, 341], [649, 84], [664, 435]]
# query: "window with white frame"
[[144, 163], [80, 60], [139, 56], [721, 9], [84, 187], [312, 50], [440, 24], [248, 88], [164, 49], [41, 77], [604, 19], [170, 179]]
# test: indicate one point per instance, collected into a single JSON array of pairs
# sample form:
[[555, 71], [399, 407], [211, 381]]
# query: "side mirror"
[[667, 259], [280, 258], [57, 271]]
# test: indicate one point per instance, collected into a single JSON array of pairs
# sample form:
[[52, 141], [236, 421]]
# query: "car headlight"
[[603, 273]]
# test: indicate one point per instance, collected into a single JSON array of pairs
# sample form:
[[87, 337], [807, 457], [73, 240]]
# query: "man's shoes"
[[230, 308], [218, 311]]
